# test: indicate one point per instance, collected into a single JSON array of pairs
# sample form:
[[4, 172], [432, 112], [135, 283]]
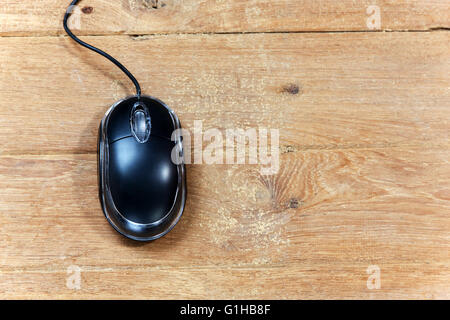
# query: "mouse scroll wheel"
[[140, 123]]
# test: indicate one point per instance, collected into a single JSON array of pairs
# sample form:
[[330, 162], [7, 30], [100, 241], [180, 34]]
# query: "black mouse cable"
[[104, 54]]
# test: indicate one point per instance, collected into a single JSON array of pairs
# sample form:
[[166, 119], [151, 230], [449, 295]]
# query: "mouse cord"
[[104, 54]]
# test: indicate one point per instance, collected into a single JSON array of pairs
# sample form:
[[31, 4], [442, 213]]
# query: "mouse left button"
[[118, 121]]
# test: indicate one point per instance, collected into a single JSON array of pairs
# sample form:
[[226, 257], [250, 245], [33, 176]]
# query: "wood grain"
[[364, 150], [353, 209], [388, 90], [193, 16]]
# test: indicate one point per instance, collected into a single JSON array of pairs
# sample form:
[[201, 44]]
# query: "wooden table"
[[360, 207]]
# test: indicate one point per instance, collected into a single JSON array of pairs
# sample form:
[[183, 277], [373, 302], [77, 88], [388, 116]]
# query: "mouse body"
[[142, 175]]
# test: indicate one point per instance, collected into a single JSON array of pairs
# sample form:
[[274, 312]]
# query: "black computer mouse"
[[142, 176]]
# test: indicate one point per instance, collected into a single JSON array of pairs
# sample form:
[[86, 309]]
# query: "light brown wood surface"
[[364, 143], [193, 16]]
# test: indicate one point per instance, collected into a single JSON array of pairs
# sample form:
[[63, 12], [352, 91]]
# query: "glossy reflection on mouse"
[[142, 178]]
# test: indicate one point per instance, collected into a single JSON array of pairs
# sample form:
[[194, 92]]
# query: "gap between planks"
[[144, 35], [55, 155]]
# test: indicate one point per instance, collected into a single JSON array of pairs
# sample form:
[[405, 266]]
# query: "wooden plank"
[[311, 231], [193, 16], [364, 131], [323, 91], [226, 283]]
